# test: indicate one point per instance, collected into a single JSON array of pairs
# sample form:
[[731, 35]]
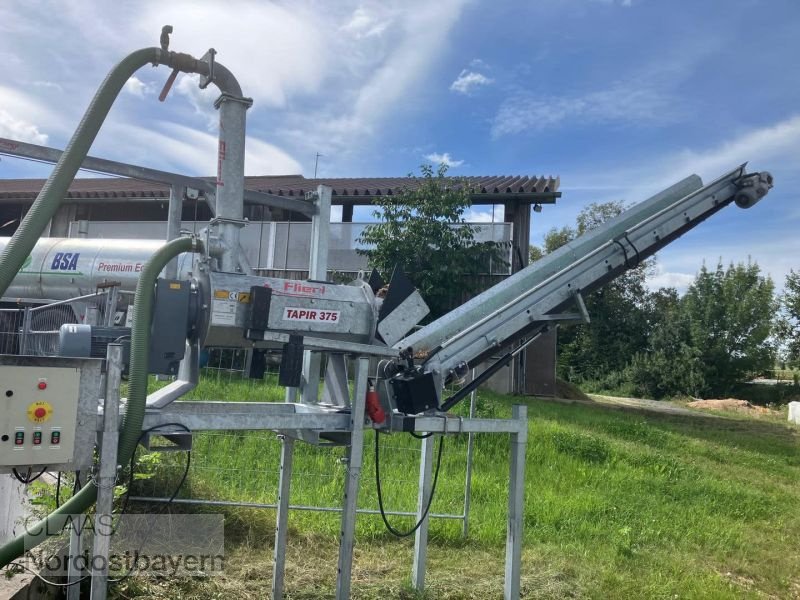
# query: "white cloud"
[[468, 81], [364, 23], [374, 77], [136, 87], [775, 147], [663, 278], [623, 102], [321, 74], [779, 141], [49, 84], [188, 150], [275, 51], [473, 215], [444, 159], [23, 117], [17, 129]]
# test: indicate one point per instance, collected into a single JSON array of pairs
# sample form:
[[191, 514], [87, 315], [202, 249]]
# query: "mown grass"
[[619, 504]]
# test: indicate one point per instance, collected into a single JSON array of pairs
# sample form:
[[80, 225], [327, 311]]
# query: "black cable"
[[624, 252], [47, 581], [58, 490], [124, 508], [122, 511], [420, 436], [391, 529], [76, 486], [635, 249], [133, 462], [28, 479]]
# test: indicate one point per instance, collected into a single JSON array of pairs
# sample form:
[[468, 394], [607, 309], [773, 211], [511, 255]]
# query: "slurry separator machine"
[[198, 291]]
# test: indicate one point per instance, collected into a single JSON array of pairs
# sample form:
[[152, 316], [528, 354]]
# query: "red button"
[[42, 385], [39, 413]]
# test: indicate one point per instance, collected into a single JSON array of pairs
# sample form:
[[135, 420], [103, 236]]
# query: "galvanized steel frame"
[[289, 417]]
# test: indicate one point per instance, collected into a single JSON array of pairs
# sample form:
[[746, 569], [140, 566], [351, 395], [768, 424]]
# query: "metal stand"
[[328, 423], [75, 549], [516, 504], [317, 271], [421, 536], [355, 457], [468, 476], [107, 476], [282, 517]]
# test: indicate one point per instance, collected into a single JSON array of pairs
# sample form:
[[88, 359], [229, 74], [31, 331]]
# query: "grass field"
[[619, 504]]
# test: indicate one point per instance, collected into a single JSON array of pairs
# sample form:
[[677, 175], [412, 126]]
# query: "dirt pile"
[[729, 404], [569, 391]]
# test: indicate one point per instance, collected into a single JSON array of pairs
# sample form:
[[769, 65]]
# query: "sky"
[[620, 98]]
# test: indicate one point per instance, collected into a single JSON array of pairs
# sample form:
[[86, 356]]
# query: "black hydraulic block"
[[170, 326], [291, 370], [257, 316], [414, 393], [258, 364]]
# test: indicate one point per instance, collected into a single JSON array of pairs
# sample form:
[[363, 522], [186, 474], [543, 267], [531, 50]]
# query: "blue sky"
[[619, 98]]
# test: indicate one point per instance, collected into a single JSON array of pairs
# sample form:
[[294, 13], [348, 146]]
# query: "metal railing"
[[285, 246]]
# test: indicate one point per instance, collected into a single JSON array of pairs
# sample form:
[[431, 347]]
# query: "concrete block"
[[794, 412]]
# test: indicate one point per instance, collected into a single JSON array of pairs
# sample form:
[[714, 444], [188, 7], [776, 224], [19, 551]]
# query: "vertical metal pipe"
[[174, 220], [26, 332], [516, 503], [317, 269], [282, 518], [468, 476], [421, 535], [230, 176], [355, 457], [107, 475], [75, 549]]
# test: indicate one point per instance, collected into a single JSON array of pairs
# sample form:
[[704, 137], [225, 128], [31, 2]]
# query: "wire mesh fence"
[[241, 469]]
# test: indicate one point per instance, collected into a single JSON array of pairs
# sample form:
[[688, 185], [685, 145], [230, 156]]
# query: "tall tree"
[[424, 232], [789, 322], [731, 315], [670, 365]]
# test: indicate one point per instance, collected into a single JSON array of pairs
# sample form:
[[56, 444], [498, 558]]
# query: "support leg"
[[75, 549], [516, 504], [468, 476], [282, 518], [421, 536], [317, 270], [107, 476], [355, 457]]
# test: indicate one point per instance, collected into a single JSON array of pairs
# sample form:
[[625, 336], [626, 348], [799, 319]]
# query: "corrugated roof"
[[354, 190]]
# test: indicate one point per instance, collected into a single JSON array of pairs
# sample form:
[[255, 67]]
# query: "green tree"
[[424, 232], [788, 327], [671, 365], [731, 314]]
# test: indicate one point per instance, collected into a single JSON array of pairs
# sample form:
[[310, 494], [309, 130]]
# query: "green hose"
[[131, 427], [56, 186], [32, 226]]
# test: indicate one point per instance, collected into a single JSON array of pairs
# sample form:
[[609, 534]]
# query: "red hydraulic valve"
[[374, 408]]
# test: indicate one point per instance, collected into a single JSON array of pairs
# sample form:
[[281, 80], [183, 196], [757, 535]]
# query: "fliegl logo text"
[[65, 261]]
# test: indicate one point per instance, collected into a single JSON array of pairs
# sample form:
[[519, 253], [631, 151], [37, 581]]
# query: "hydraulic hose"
[[131, 427]]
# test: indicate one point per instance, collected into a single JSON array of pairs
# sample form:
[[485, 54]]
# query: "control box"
[[48, 412]]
